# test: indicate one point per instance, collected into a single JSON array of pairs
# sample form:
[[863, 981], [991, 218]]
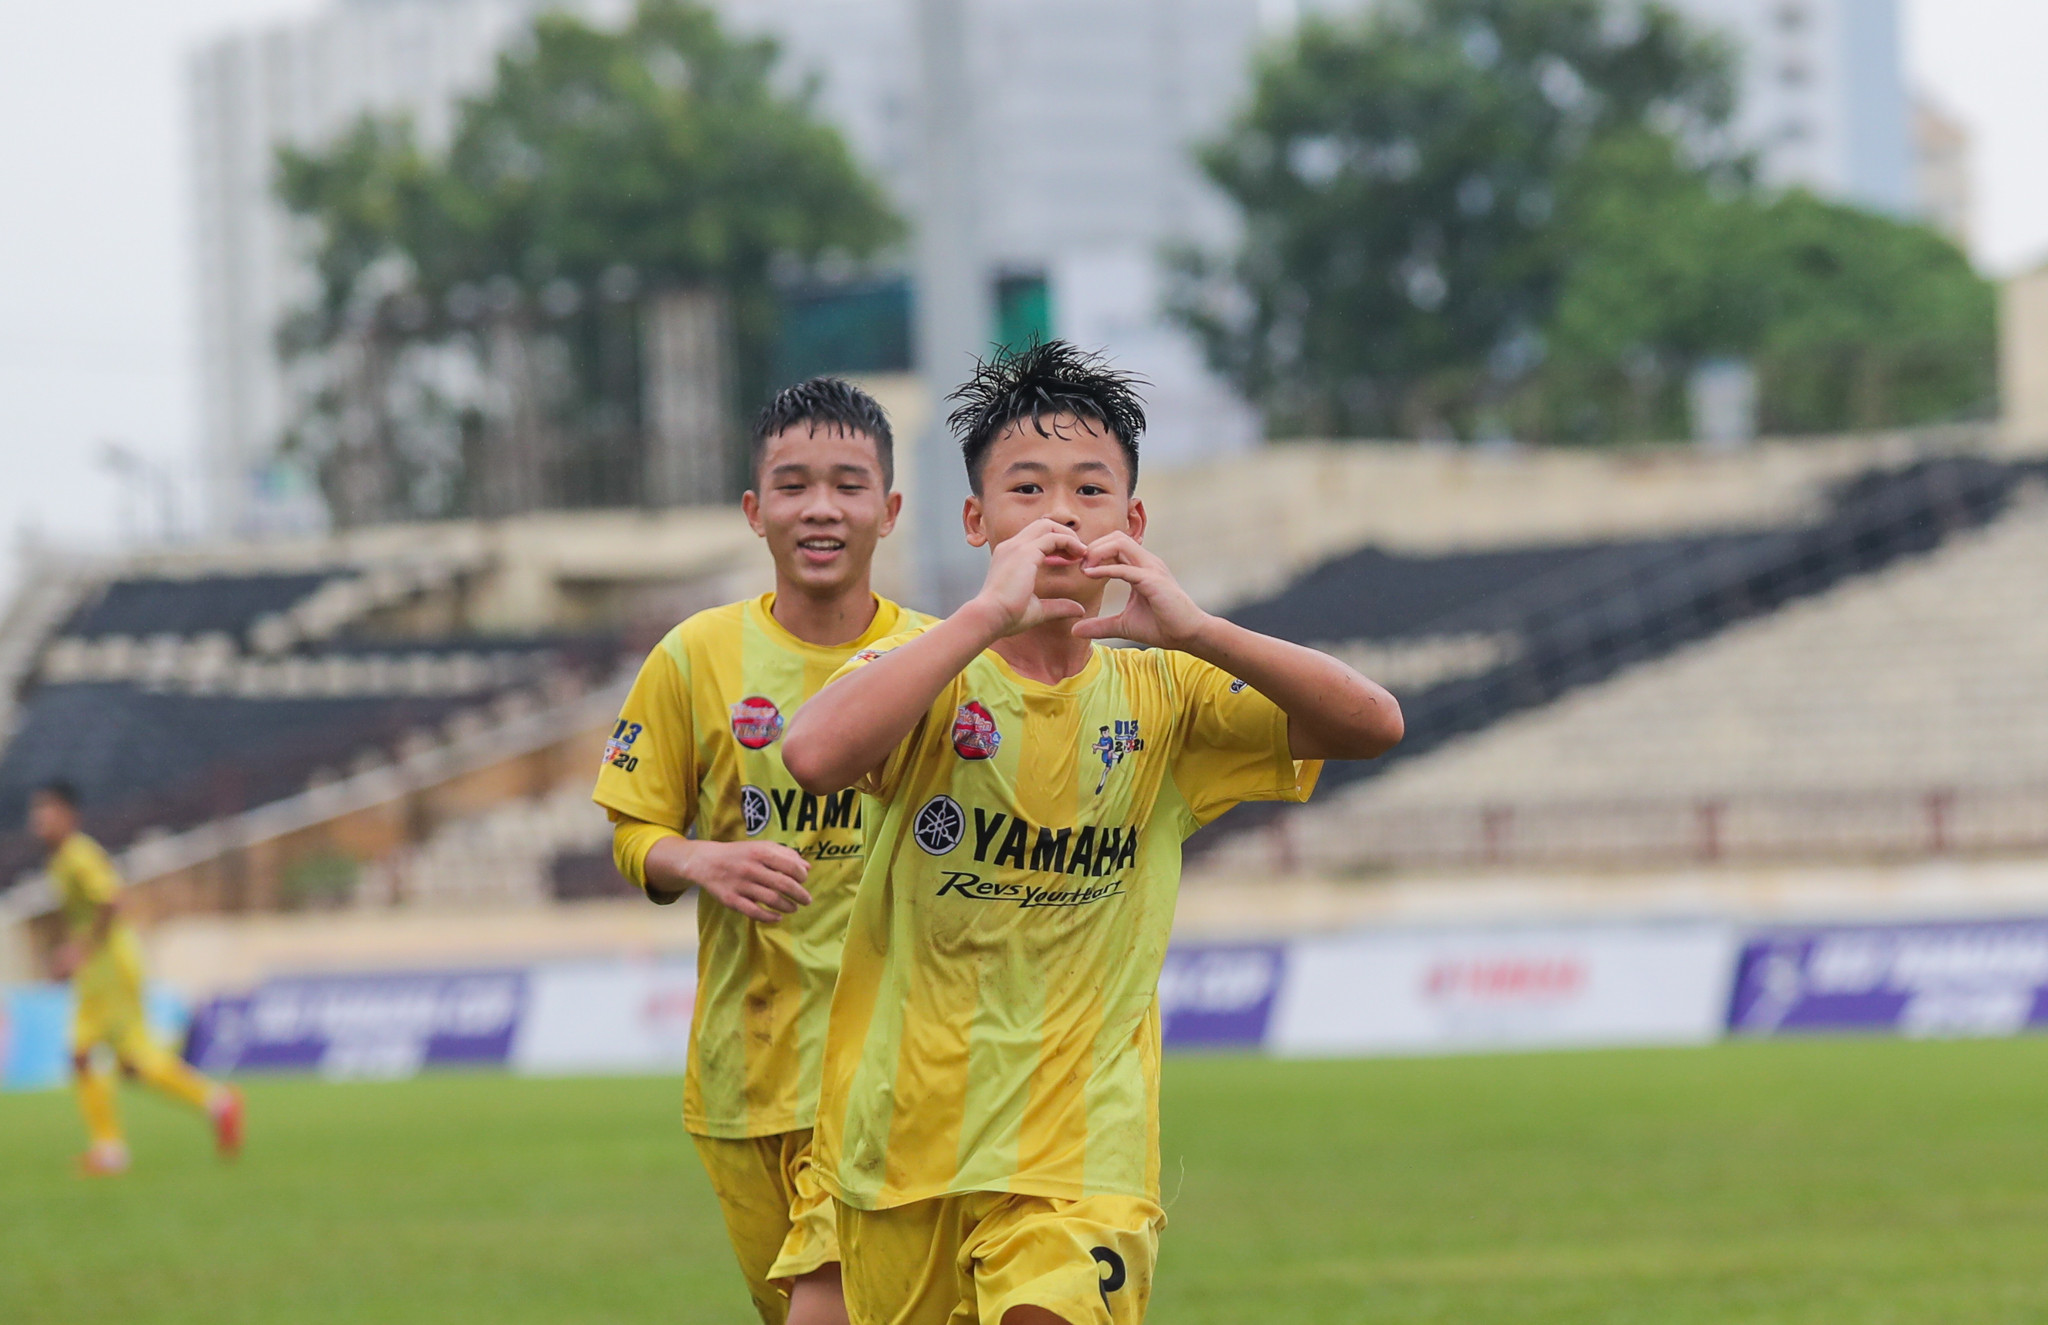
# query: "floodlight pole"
[[954, 299]]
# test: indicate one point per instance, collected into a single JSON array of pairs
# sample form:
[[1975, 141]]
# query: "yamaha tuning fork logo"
[[939, 826], [754, 809]]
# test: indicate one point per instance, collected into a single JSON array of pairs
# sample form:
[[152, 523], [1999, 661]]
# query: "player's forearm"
[[849, 728], [666, 872], [1333, 712], [643, 854]]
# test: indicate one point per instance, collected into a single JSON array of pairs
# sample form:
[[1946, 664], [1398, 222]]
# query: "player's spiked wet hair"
[[827, 402], [1045, 378]]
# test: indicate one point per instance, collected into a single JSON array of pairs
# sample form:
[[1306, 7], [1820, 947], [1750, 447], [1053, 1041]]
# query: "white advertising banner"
[[606, 1016], [1451, 990]]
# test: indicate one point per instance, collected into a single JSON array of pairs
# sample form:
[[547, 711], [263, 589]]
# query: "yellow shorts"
[[778, 1217], [966, 1260]]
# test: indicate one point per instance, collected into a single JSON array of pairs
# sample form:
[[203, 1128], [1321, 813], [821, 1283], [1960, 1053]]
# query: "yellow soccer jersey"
[[996, 1024], [86, 880], [698, 744]]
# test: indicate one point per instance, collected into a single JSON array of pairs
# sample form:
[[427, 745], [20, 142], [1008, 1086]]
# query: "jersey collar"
[[886, 621], [1073, 685]]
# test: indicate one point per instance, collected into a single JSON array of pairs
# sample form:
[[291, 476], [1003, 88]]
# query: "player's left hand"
[[1159, 612]]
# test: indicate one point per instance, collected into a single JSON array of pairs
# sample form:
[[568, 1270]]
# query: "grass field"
[[1843, 1181]]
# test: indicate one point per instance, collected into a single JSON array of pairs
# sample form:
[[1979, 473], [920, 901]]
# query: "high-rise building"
[[1083, 113], [299, 83], [1941, 159], [1821, 95]]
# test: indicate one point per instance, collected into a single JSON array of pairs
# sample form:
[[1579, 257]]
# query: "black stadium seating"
[[225, 603], [1580, 614], [167, 758]]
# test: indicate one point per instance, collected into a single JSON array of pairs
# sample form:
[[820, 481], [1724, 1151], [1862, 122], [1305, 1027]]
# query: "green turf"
[[1833, 1182]]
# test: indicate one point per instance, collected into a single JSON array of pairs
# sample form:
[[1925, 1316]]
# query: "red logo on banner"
[[756, 722], [974, 732]]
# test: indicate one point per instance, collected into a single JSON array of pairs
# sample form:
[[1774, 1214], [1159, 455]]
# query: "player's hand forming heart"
[[1159, 613], [1011, 590]]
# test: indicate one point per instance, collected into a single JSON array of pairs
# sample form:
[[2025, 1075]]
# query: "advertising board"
[[1217, 996], [1956, 978], [612, 1016], [387, 1024], [1434, 991]]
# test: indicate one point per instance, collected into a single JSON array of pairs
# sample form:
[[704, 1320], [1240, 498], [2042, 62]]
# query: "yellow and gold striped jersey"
[[698, 744], [996, 1024], [86, 880]]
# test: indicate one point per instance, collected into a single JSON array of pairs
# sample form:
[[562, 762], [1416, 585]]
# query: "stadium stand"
[[1868, 684], [184, 687], [504, 856]]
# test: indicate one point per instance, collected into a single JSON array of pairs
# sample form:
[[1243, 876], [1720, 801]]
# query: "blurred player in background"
[[104, 964], [989, 1117], [698, 745]]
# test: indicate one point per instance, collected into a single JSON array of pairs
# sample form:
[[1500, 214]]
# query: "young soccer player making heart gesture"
[[988, 1119]]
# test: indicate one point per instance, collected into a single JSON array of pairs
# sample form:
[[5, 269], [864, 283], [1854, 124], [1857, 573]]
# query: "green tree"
[[1851, 319], [1524, 217], [1399, 179], [601, 169]]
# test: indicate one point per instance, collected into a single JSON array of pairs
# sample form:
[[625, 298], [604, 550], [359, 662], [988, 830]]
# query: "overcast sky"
[[96, 321]]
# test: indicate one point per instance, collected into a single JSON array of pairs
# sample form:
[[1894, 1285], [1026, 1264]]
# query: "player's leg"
[[169, 1075], [1047, 1262], [818, 1298], [106, 1149], [808, 1264], [750, 1178]]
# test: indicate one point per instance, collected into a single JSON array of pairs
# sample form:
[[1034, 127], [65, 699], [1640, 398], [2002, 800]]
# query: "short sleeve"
[[882, 782], [649, 770], [1233, 746]]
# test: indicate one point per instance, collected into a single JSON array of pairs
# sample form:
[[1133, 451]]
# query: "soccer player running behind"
[[988, 1122], [697, 745], [103, 961]]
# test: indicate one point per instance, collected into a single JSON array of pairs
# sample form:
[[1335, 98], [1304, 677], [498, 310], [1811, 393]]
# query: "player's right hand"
[[762, 881], [1010, 593]]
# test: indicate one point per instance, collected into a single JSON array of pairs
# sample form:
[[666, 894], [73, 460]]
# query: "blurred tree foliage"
[[601, 168], [1526, 218]]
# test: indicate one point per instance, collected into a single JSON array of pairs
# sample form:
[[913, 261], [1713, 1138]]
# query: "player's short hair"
[[1045, 378], [827, 402], [60, 789]]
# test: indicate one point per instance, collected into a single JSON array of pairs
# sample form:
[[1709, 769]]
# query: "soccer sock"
[[171, 1076], [96, 1102]]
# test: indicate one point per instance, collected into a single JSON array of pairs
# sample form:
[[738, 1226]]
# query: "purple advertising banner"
[[387, 1025], [1219, 996], [1963, 978]]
